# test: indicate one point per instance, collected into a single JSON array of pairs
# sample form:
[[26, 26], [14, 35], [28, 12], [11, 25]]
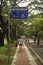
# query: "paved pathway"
[[23, 56]]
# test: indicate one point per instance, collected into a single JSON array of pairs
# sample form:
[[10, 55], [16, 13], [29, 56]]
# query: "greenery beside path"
[[4, 53], [36, 29]]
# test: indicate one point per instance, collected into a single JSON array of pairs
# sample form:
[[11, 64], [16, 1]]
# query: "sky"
[[24, 3]]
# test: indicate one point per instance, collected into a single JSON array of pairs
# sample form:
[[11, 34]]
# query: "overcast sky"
[[25, 3]]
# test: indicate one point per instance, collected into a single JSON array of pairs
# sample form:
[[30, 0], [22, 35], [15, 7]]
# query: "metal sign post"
[[15, 13], [8, 35], [19, 13], [9, 40]]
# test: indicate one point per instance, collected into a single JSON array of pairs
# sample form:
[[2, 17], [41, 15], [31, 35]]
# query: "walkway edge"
[[15, 56], [36, 54]]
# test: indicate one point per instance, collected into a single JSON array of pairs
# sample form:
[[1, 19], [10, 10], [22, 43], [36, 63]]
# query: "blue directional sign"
[[19, 13]]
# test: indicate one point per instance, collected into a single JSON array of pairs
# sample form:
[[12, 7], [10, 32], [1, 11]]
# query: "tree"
[[16, 25], [2, 25], [37, 29], [3, 19], [35, 7], [1, 30]]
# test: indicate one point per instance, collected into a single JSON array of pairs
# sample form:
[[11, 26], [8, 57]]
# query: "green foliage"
[[37, 28], [4, 54], [16, 29], [41, 34]]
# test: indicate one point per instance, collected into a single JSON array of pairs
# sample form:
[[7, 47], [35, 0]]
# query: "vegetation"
[[18, 28], [35, 30], [4, 53]]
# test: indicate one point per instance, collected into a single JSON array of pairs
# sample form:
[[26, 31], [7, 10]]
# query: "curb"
[[15, 56], [36, 55]]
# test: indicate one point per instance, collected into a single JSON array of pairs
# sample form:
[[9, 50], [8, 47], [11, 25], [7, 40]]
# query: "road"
[[38, 50]]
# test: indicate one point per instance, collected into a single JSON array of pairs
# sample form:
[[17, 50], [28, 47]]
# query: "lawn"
[[4, 53]]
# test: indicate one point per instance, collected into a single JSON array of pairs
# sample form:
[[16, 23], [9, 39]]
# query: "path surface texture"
[[23, 56]]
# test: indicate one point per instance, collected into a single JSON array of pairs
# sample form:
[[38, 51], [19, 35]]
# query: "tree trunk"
[[38, 42], [1, 30], [1, 39], [34, 40]]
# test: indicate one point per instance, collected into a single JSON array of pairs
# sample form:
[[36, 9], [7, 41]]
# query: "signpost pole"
[[23, 14], [8, 36], [16, 36]]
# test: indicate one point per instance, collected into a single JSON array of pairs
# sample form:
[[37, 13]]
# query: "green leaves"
[[37, 27]]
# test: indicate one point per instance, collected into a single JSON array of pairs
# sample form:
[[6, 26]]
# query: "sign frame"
[[24, 12]]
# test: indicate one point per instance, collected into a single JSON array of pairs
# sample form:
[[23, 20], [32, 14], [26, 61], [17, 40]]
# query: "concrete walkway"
[[23, 56]]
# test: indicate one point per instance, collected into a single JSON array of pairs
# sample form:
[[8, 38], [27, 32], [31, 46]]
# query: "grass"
[[4, 53]]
